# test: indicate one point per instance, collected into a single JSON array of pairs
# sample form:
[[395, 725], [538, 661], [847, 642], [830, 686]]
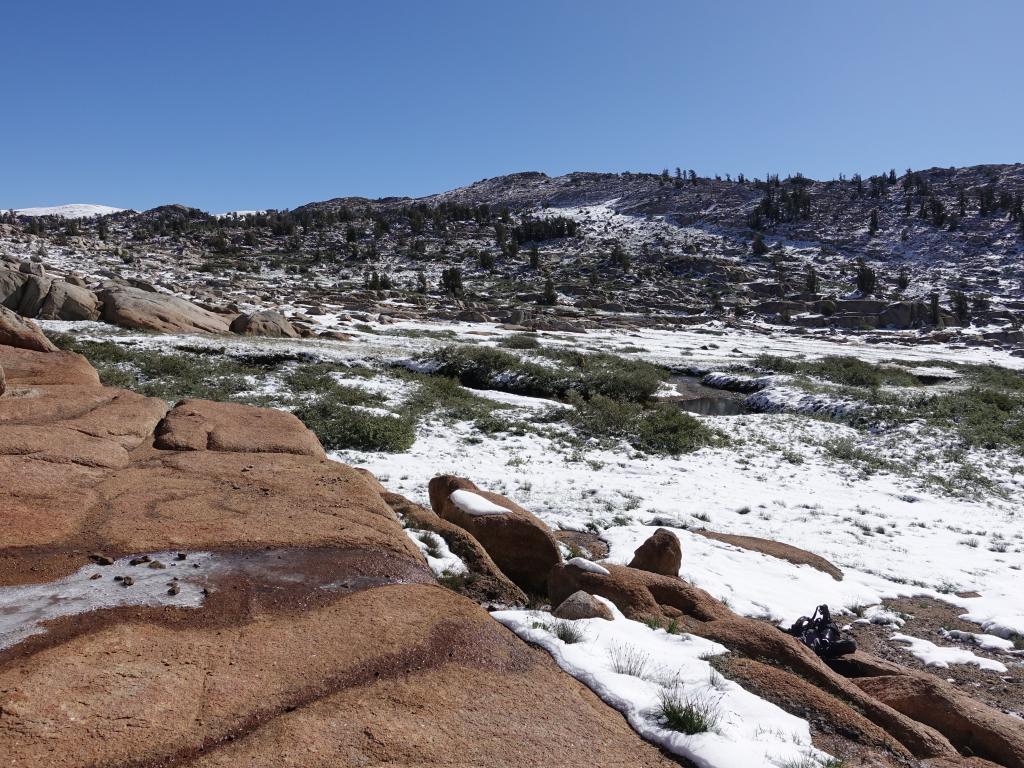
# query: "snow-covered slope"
[[70, 211]]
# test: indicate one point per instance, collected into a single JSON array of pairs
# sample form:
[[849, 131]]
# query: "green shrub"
[[521, 341], [838, 369], [659, 429], [341, 427]]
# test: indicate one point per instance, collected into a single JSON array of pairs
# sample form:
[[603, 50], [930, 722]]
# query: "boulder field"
[[201, 586], [323, 639]]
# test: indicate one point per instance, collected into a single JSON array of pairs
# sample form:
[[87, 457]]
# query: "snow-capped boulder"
[[519, 543], [580, 605], [266, 322], [661, 553]]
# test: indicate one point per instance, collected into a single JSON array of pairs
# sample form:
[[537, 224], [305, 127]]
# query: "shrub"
[[840, 370], [660, 429], [521, 341], [341, 427]]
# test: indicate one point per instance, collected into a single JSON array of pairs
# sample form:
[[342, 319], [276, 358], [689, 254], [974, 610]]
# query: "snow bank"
[[476, 505], [779, 399], [750, 732], [985, 642], [934, 655]]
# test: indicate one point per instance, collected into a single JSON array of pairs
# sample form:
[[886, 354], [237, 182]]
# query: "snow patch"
[[588, 565], [476, 505], [933, 655]]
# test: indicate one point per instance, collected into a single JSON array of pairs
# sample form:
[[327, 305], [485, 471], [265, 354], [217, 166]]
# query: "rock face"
[[973, 727], [580, 605], [520, 544], [661, 553], [322, 635], [264, 323], [16, 331], [144, 310]]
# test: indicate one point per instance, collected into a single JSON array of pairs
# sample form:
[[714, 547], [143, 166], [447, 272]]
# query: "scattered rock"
[[101, 559], [661, 553]]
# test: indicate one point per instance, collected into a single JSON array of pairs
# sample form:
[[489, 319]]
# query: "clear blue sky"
[[236, 105]]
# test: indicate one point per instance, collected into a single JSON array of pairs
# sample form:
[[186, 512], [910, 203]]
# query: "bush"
[[341, 427], [521, 341], [584, 374], [840, 370], [660, 429]]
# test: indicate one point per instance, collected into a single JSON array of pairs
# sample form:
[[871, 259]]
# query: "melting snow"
[[942, 656], [631, 667]]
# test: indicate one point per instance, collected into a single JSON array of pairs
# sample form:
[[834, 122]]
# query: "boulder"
[[266, 322], [973, 727], [904, 314], [580, 605], [201, 425], [12, 287], [16, 331], [638, 594], [32, 268], [33, 295], [68, 301], [519, 543], [661, 553], [472, 316], [143, 310]]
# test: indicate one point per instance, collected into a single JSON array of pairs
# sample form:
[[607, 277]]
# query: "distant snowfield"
[[70, 211]]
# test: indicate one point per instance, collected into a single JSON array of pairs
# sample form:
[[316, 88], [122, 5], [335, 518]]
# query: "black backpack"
[[821, 635]]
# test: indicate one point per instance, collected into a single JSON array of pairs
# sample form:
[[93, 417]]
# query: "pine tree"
[[866, 278], [757, 247], [421, 282], [903, 279], [873, 222], [451, 282], [534, 258], [550, 295], [961, 309], [813, 283]]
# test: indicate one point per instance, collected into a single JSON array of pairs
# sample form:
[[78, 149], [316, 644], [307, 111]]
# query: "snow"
[[476, 505], [588, 565], [934, 655], [985, 642], [70, 211], [24, 609], [750, 732], [445, 564]]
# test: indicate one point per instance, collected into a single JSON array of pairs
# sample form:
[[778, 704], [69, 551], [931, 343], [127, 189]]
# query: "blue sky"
[[237, 105]]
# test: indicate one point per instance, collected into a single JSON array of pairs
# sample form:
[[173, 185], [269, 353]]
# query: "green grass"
[[342, 427], [690, 715]]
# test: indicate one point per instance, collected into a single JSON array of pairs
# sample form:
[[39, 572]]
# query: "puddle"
[[695, 397], [180, 583], [232, 582]]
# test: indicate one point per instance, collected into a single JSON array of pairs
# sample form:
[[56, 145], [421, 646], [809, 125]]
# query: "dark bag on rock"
[[821, 635]]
